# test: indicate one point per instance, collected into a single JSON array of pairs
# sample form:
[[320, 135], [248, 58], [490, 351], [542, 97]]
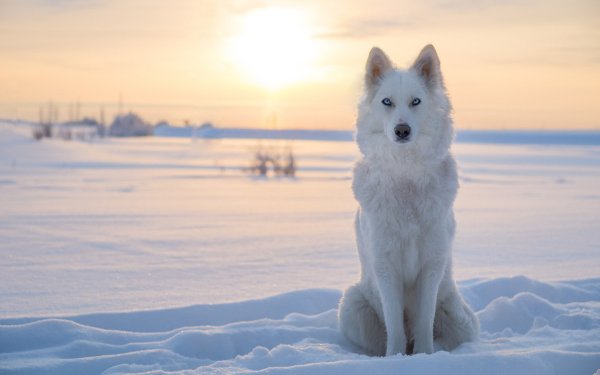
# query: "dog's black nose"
[[402, 131]]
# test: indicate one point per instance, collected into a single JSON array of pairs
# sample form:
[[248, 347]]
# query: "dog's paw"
[[396, 346]]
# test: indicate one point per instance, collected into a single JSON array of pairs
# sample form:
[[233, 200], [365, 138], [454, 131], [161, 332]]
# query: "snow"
[[162, 255], [522, 137], [296, 332], [211, 132]]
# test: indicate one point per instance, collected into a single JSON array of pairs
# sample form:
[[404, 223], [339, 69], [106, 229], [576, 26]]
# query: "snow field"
[[162, 255]]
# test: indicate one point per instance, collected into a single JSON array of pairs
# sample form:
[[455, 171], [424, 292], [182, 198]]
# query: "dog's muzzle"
[[402, 132]]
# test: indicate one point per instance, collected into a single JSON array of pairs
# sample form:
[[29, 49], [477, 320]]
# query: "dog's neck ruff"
[[403, 159]]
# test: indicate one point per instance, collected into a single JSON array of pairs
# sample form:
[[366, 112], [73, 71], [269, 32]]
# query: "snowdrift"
[[528, 327]]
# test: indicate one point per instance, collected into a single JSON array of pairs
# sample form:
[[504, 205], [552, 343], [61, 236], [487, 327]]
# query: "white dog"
[[405, 183]]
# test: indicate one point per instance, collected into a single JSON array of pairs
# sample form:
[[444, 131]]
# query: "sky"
[[508, 64]]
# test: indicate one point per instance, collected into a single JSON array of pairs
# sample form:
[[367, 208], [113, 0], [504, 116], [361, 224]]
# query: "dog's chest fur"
[[406, 195], [406, 214]]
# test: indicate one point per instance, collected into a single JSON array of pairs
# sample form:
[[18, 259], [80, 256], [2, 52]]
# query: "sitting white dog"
[[405, 183]]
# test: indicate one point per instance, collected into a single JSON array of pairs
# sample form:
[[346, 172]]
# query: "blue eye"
[[387, 102], [415, 101]]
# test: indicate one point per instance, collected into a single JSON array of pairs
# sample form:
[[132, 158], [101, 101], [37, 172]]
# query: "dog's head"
[[407, 109]]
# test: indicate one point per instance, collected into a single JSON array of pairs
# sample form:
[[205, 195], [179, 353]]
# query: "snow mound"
[[481, 292], [528, 327]]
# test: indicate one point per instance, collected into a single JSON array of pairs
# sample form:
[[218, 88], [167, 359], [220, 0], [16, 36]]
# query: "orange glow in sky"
[[507, 64], [275, 47]]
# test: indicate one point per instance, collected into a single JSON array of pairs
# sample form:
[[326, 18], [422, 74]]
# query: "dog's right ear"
[[377, 65]]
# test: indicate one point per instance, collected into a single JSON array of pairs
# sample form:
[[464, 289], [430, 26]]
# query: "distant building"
[[129, 125]]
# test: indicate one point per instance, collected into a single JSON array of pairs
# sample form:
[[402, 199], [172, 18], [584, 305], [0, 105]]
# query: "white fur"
[[404, 226]]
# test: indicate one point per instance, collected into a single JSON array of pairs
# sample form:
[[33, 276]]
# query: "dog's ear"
[[377, 65], [427, 65]]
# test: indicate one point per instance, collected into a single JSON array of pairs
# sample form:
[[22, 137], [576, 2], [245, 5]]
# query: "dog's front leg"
[[392, 301], [426, 290]]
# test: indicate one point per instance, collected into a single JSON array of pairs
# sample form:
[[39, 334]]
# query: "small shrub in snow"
[[37, 133], [260, 165], [290, 166], [43, 130], [280, 164]]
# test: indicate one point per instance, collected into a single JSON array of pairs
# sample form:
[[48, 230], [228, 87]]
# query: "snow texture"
[[161, 255], [555, 331]]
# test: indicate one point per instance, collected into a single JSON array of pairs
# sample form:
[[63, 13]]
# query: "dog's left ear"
[[427, 65]]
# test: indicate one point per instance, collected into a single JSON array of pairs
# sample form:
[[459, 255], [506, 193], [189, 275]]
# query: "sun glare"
[[274, 47]]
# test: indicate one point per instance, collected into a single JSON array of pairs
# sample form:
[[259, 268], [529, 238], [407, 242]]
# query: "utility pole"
[[56, 118], [101, 126], [50, 112], [77, 108], [120, 104], [102, 115]]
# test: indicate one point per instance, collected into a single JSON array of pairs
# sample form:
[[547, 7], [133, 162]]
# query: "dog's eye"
[[386, 101], [415, 101]]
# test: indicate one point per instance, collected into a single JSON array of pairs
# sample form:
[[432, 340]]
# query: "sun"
[[274, 47]]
